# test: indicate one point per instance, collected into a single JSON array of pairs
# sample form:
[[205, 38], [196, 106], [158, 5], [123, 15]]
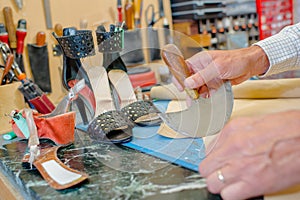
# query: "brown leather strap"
[[57, 174]]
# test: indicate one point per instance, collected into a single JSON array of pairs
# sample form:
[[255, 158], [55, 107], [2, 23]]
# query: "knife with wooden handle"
[[40, 38], [178, 67]]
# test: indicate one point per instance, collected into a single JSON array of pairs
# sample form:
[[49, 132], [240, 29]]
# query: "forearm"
[[282, 50], [258, 60]]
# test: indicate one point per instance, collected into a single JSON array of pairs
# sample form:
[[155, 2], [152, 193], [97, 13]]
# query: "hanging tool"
[[56, 49], [8, 65], [3, 34], [7, 12], [119, 8], [31, 91], [161, 8], [19, 4], [129, 14], [39, 62], [40, 39], [47, 11], [10, 76], [151, 16], [137, 13], [5, 51], [21, 33]]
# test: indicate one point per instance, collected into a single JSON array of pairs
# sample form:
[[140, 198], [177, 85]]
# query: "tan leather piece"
[[60, 128], [49, 155], [262, 89], [167, 92]]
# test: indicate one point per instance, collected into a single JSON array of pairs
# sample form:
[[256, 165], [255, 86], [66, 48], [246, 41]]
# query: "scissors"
[[151, 16]]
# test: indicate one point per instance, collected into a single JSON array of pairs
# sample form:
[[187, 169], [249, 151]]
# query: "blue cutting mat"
[[187, 153]]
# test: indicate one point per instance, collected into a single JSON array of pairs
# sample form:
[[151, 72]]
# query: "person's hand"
[[211, 68], [254, 156]]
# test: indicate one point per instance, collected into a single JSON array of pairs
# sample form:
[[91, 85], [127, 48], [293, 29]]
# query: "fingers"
[[199, 61], [214, 184], [177, 84], [233, 127], [201, 77], [242, 172], [239, 190], [204, 70]]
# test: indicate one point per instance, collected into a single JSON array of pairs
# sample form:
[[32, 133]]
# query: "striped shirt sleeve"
[[283, 50]]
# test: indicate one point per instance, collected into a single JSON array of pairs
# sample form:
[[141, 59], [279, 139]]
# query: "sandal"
[[58, 175], [141, 112], [110, 125], [77, 44]]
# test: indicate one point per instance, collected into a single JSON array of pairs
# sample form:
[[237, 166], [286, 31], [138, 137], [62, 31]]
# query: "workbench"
[[115, 172], [119, 172]]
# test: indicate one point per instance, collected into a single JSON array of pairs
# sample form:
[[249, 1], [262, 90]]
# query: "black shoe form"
[[77, 44], [72, 67]]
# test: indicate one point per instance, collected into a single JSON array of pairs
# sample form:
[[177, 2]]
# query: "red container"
[[273, 16]]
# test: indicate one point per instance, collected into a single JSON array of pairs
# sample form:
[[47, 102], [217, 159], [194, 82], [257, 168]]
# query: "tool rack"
[[251, 19]]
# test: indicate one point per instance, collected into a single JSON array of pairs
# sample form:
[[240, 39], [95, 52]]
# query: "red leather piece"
[[60, 128], [143, 79]]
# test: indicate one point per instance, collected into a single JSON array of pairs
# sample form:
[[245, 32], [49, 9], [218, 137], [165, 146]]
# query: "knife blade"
[[205, 116]]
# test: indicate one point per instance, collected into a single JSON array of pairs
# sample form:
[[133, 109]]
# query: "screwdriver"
[[21, 33], [3, 34], [119, 8]]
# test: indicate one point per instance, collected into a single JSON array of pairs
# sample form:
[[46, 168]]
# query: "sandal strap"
[[109, 42], [138, 109], [106, 122], [77, 46]]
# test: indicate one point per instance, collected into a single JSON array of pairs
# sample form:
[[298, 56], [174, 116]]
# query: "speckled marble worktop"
[[115, 172]]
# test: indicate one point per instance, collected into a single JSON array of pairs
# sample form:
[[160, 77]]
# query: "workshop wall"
[[67, 13]]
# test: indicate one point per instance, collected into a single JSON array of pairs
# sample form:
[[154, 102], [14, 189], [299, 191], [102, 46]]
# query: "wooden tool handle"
[[178, 67], [11, 29], [58, 29], [8, 65], [137, 9], [40, 38], [129, 14]]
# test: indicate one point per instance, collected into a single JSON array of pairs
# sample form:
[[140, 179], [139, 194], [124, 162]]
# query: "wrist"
[[259, 60]]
